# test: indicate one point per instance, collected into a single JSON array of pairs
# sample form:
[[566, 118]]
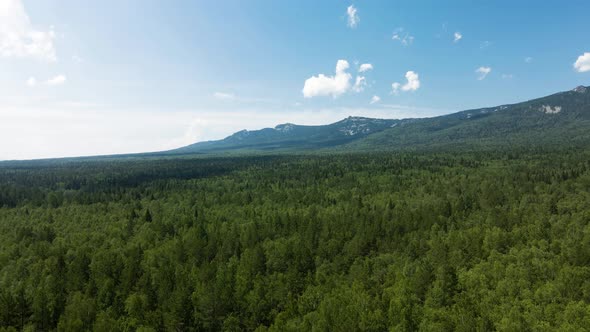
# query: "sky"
[[80, 78]]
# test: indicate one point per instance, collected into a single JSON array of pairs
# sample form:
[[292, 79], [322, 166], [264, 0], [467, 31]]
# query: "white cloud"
[[323, 85], [485, 44], [32, 82], [57, 80], [483, 72], [224, 96], [507, 76], [528, 59], [583, 63], [361, 81], [403, 37], [18, 37], [353, 18], [375, 99], [458, 36], [365, 67], [412, 84], [359, 84]]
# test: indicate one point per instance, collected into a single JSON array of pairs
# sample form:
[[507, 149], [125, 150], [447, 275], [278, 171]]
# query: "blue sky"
[[101, 77]]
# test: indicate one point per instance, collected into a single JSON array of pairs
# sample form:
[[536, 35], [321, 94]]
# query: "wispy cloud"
[[353, 17], [224, 96], [359, 84], [403, 37], [485, 44], [236, 100], [375, 99], [483, 72], [361, 81], [528, 59], [57, 80], [457, 37]]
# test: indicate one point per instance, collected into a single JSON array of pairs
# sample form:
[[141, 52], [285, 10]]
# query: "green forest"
[[397, 241]]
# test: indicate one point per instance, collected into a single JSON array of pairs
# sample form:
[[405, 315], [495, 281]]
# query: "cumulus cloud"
[[458, 36], [32, 82], [583, 63], [412, 84], [403, 37], [365, 67], [18, 37], [224, 96], [323, 85], [483, 72], [353, 18], [375, 99], [57, 80]]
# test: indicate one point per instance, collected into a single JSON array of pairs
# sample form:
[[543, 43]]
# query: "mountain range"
[[551, 121]]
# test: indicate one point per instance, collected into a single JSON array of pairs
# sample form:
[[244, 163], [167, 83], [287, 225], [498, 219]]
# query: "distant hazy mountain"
[[290, 136], [562, 118]]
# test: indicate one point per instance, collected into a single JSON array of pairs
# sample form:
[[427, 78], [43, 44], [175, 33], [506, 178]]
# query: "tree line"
[[350, 242]]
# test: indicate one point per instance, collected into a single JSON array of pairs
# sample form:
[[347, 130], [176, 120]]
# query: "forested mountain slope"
[[562, 118], [559, 119], [295, 137]]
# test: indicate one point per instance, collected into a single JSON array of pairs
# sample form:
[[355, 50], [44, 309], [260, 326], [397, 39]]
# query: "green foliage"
[[360, 242], [519, 126]]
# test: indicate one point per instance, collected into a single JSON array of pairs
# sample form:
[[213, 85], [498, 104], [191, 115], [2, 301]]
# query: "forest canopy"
[[431, 241]]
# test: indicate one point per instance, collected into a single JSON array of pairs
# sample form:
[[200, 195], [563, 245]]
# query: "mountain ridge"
[[559, 116], [289, 135]]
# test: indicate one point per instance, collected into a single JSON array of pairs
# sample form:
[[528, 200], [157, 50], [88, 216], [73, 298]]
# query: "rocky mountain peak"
[[285, 127]]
